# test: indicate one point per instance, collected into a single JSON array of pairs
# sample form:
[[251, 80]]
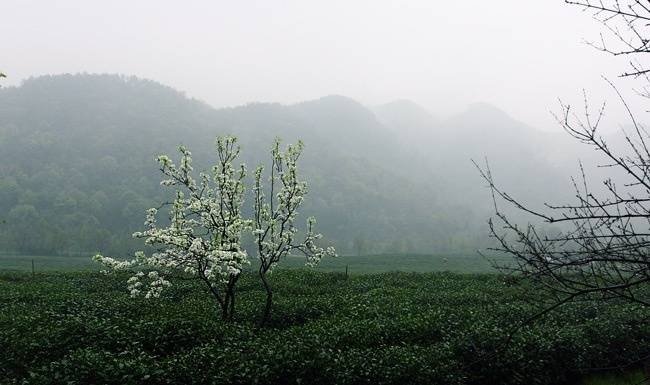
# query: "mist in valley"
[[391, 108], [389, 166], [79, 170]]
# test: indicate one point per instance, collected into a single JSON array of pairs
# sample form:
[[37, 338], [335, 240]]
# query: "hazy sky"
[[519, 55]]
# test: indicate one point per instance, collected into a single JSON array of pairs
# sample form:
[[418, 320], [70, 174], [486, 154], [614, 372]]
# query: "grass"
[[420, 263]]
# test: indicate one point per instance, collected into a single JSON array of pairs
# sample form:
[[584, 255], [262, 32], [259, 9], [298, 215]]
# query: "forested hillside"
[[77, 165]]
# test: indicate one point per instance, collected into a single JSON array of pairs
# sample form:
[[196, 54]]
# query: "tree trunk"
[[231, 312], [225, 308], [269, 297], [224, 303], [226, 300], [224, 315], [231, 297]]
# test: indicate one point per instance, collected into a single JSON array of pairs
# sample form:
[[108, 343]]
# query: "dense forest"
[[77, 168]]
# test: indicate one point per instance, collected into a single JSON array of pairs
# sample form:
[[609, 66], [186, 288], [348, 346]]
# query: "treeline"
[[77, 167]]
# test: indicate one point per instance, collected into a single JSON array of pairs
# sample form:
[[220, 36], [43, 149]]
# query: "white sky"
[[519, 55]]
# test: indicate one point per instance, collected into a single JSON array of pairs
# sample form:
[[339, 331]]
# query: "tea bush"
[[393, 328]]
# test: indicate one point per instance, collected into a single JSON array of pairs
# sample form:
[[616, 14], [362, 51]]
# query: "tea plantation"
[[390, 328]]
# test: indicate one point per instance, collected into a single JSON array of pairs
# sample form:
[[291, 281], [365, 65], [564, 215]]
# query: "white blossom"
[[274, 224], [203, 237]]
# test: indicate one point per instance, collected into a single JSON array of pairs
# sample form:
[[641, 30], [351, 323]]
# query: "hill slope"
[[77, 164]]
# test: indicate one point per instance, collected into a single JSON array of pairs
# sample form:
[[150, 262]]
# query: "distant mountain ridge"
[[77, 169]]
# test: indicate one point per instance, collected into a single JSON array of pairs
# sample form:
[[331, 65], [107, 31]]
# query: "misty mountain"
[[77, 165], [411, 124]]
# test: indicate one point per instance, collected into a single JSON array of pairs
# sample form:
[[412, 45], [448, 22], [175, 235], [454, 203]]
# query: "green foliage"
[[392, 328]]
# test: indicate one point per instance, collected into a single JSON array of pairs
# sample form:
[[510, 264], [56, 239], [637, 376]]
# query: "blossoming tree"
[[274, 230], [203, 238]]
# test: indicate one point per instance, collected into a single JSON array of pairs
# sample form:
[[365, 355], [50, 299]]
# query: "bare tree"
[[605, 249], [602, 251], [627, 23]]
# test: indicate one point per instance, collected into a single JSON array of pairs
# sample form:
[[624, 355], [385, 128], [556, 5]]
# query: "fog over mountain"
[[442, 55], [77, 164]]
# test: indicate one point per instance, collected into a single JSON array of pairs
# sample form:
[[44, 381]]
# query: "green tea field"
[[326, 328]]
